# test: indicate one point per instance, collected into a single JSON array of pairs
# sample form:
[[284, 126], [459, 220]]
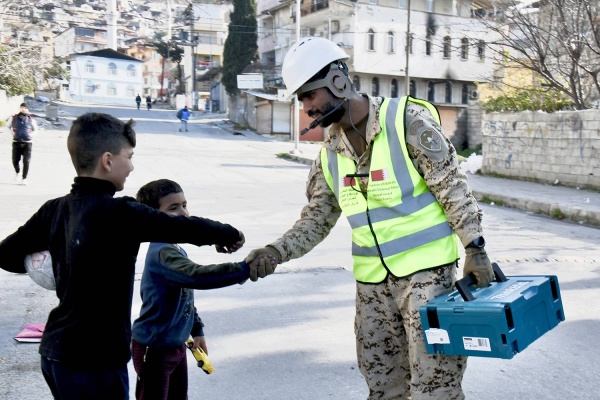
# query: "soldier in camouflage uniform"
[[403, 256]]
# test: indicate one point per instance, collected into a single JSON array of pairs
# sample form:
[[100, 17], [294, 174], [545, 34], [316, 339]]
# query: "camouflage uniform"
[[390, 347]]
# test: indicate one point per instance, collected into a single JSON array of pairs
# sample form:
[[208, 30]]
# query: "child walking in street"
[[168, 316], [94, 239]]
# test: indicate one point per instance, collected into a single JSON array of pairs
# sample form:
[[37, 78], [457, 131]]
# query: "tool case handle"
[[462, 285]]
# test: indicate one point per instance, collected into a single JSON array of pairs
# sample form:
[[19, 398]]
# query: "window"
[[371, 40], [68, 65], [89, 87], [390, 40], [481, 50], [464, 48], [428, 46], [111, 90], [413, 88], [375, 87], [430, 91], [429, 6], [130, 70], [89, 67], [130, 92], [448, 98], [356, 83], [464, 95], [447, 43], [112, 68], [394, 91], [84, 32]]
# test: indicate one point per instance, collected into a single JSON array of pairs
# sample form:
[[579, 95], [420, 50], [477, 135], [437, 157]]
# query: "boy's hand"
[[200, 341], [232, 248]]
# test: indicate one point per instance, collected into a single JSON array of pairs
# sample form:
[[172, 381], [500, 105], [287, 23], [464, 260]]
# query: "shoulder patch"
[[427, 137]]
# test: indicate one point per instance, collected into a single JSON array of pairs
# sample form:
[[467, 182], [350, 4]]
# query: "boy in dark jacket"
[[168, 316], [94, 239]]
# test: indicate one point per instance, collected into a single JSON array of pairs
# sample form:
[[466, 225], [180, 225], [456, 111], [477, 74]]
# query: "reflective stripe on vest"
[[399, 227]]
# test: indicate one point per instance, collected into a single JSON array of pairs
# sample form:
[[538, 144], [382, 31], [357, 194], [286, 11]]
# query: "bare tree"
[[557, 40]]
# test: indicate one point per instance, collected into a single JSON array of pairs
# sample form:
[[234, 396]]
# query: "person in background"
[[388, 167], [138, 101], [23, 127], [149, 102], [94, 239], [183, 115], [168, 316]]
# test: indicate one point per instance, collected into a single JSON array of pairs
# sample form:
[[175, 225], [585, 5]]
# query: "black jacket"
[[94, 240]]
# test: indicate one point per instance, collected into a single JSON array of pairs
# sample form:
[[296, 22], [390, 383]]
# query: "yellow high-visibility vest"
[[398, 227]]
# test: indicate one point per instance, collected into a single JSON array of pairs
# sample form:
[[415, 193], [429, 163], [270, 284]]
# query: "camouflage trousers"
[[389, 339]]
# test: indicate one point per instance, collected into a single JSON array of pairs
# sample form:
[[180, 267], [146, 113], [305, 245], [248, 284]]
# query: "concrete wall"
[[562, 147], [9, 105]]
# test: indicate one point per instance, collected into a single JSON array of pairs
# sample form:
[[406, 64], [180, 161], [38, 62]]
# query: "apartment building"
[[439, 55]]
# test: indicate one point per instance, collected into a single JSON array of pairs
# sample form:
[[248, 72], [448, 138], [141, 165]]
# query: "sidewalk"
[[560, 202]]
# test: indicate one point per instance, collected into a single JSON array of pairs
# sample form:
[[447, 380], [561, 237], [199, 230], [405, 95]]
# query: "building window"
[[390, 40], [464, 48], [447, 43], [430, 91], [111, 90], [428, 46], [130, 70], [429, 6], [89, 88], [394, 91], [375, 87], [412, 88], [68, 65], [112, 68], [464, 94], [356, 83], [130, 92], [481, 50], [89, 67], [84, 32], [371, 40], [448, 92]]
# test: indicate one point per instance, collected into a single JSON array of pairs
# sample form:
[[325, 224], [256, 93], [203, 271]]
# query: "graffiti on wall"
[[509, 139]]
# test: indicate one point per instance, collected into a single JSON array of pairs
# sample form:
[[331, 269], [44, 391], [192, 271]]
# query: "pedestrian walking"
[[183, 115], [387, 166], [94, 239], [138, 101], [149, 102], [23, 127]]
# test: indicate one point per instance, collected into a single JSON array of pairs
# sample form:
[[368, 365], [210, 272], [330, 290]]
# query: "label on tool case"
[[476, 344], [437, 336]]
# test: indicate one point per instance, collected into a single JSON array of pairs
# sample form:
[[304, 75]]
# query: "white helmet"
[[307, 57]]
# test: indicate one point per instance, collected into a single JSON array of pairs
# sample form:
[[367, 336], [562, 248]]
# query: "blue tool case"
[[497, 321]]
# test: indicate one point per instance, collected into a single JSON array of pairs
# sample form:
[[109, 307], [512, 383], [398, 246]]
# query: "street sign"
[[250, 81]]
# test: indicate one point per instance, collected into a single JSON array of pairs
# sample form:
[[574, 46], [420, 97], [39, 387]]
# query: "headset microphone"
[[317, 121]]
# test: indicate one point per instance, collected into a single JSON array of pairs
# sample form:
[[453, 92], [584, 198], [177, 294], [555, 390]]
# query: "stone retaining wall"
[[558, 148]]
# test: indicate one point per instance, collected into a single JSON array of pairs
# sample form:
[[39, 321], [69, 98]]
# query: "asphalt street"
[[290, 336]]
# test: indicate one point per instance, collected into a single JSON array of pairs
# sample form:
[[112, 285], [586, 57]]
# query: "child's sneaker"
[[24, 182]]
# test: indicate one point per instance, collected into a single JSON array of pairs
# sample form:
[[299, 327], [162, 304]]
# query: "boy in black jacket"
[[94, 239]]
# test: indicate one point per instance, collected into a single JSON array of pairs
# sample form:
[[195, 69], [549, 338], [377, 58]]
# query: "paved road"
[[290, 336]]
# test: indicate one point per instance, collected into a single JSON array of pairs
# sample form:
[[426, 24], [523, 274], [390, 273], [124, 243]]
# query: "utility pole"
[[408, 44], [193, 41]]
